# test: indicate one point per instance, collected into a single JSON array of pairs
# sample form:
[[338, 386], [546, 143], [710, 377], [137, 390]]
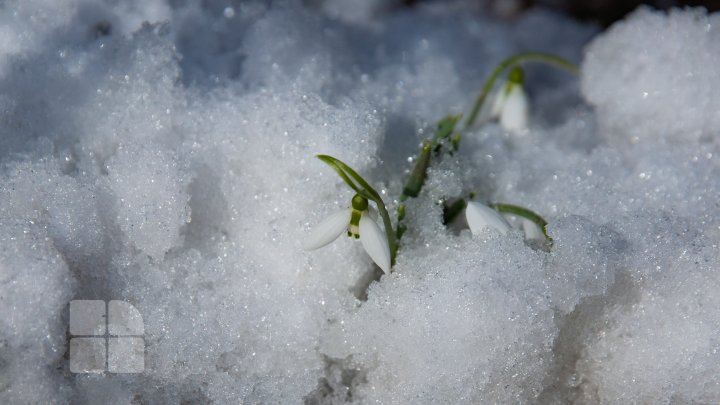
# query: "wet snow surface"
[[162, 153]]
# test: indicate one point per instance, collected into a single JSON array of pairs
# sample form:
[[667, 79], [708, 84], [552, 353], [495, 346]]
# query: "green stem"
[[417, 176], [414, 183], [509, 62]]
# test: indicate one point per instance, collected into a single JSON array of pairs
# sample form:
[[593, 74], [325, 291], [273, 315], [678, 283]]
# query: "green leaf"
[[337, 165], [446, 126], [417, 176], [364, 189]]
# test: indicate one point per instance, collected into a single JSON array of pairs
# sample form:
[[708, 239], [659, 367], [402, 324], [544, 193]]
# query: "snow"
[[674, 73], [162, 154]]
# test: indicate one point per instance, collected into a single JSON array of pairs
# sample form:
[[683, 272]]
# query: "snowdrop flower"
[[479, 216], [511, 103], [359, 223]]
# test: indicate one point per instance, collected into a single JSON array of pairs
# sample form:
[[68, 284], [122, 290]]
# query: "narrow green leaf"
[[349, 171], [417, 176], [330, 161], [455, 140], [446, 126]]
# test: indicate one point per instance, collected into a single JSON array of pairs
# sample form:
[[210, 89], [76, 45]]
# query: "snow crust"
[[162, 153]]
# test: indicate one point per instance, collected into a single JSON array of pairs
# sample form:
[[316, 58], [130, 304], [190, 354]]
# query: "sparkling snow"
[[162, 153]]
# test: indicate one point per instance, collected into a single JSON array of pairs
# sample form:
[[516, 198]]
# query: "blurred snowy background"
[[162, 153]]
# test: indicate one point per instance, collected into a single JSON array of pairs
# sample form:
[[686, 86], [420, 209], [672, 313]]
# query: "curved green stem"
[[509, 62]]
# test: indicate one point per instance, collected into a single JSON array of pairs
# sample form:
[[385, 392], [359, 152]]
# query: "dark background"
[[603, 12]]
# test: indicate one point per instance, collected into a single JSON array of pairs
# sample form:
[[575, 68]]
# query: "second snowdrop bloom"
[[479, 216], [511, 104], [359, 223]]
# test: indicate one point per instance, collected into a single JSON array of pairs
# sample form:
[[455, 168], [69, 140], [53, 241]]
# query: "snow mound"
[[664, 79]]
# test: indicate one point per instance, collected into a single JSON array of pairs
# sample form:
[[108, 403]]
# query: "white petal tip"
[[327, 231], [515, 113], [375, 243], [480, 216], [532, 230]]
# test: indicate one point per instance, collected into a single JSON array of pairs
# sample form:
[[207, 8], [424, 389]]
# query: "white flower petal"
[[515, 112], [328, 230], [479, 216], [532, 230], [375, 243], [499, 103], [372, 212]]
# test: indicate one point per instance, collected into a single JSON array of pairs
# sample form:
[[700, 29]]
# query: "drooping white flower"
[[514, 115], [359, 223], [511, 104], [479, 216]]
